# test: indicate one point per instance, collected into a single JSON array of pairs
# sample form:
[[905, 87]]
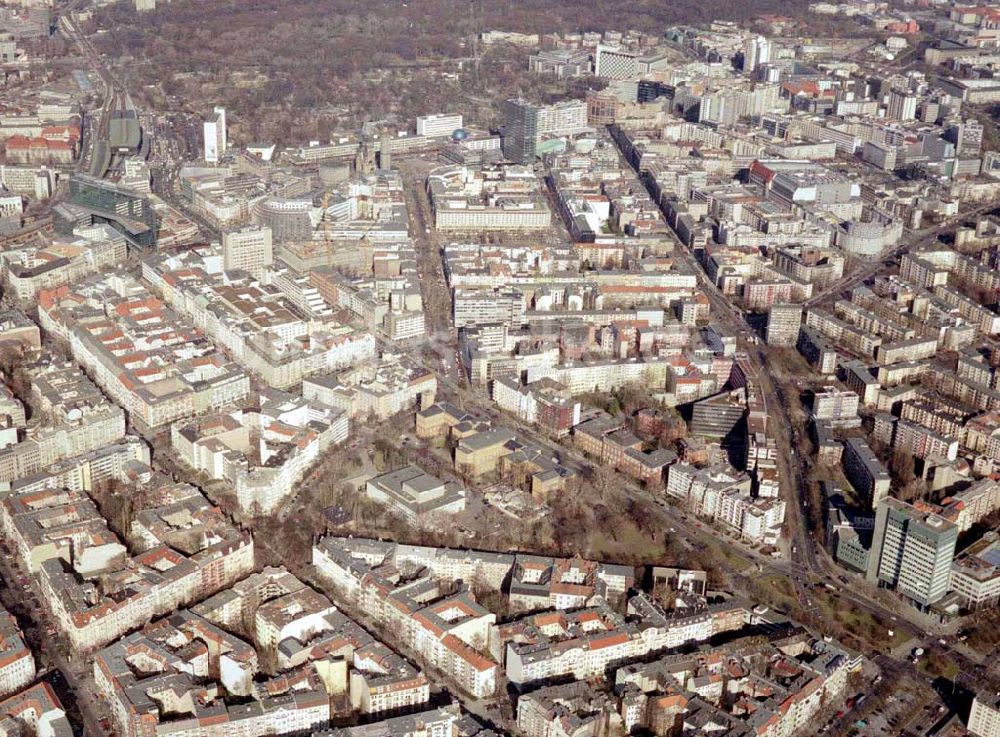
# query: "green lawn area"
[[734, 559], [901, 635], [780, 591], [861, 623], [938, 665], [625, 539]]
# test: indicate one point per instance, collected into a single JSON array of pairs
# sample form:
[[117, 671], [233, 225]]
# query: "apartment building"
[[449, 631], [582, 643], [540, 582], [17, 664], [604, 375], [442, 721], [975, 574], [819, 266], [865, 472], [726, 496], [27, 271], [790, 678], [302, 293], [486, 265], [888, 328], [984, 717], [861, 381], [385, 293], [543, 713], [922, 442], [816, 350], [78, 419], [978, 501], [759, 294], [497, 350], [985, 320], [200, 663], [128, 457], [254, 322], [906, 350], [850, 337], [61, 539], [261, 452], [376, 390], [19, 329], [836, 406], [896, 374], [930, 269], [783, 324], [39, 705], [545, 403], [296, 627], [149, 360]]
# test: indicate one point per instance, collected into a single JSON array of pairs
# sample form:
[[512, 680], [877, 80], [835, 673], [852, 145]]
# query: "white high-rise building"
[[614, 63], [216, 141], [783, 324], [902, 105], [912, 551], [441, 124], [756, 52], [563, 118], [984, 719], [248, 249]]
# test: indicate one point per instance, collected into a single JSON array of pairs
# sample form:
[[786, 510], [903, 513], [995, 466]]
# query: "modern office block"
[[912, 551]]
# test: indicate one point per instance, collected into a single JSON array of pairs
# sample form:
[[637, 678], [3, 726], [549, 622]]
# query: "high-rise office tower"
[[520, 131], [902, 105], [967, 135], [756, 52], [216, 141], [247, 249], [912, 551], [385, 150]]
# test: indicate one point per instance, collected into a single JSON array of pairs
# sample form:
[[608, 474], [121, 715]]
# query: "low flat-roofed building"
[[415, 494]]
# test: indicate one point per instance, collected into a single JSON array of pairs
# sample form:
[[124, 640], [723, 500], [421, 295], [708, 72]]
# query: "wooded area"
[[348, 60]]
